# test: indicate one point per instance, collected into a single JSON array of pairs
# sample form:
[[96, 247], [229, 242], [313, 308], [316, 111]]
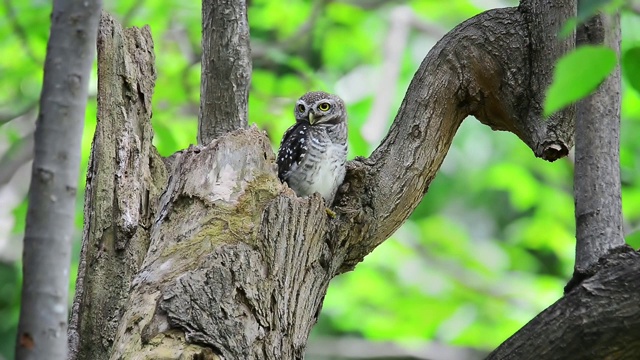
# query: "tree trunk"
[[597, 172], [124, 181], [208, 255], [224, 90], [49, 230]]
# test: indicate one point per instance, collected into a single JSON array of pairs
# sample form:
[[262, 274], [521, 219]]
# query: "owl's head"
[[318, 107]]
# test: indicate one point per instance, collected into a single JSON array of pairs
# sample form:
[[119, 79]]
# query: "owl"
[[313, 152]]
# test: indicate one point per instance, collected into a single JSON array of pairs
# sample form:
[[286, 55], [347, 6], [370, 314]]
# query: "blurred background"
[[489, 247]]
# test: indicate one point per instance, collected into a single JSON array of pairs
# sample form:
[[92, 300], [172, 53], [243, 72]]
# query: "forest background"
[[489, 247]]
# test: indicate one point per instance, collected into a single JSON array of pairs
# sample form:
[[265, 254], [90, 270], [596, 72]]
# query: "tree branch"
[[597, 165], [463, 74], [596, 320], [226, 68], [52, 193]]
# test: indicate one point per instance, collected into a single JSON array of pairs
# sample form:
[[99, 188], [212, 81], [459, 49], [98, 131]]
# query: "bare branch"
[[52, 194], [226, 68], [632, 6], [394, 46], [597, 165]]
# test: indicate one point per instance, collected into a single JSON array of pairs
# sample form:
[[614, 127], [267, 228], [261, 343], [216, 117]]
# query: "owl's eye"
[[324, 106], [300, 107]]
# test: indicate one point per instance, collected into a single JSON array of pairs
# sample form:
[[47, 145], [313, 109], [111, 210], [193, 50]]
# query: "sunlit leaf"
[[577, 74]]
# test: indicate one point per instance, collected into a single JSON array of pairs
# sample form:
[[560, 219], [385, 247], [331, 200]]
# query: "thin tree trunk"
[[597, 166], [42, 330], [226, 68]]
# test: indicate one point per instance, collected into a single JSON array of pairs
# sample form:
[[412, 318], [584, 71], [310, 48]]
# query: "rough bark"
[[544, 19], [598, 319], [42, 327], [226, 68], [237, 265], [484, 67], [124, 181], [597, 166]]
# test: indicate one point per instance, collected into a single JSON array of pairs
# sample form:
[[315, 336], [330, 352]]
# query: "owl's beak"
[[311, 118]]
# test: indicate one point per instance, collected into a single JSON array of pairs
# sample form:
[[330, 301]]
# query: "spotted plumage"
[[313, 152]]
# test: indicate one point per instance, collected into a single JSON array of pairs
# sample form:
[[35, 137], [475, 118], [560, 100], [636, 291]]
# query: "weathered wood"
[[227, 258], [124, 181]]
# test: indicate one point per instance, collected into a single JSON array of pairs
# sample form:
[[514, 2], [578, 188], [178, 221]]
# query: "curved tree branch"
[[226, 68], [7, 117], [480, 68]]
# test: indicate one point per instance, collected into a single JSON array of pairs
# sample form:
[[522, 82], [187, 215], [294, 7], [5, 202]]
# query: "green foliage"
[[577, 74], [9, 307], [631, 70], [491, 245]]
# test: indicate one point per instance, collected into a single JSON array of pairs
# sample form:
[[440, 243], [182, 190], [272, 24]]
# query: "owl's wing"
[[292, 149]]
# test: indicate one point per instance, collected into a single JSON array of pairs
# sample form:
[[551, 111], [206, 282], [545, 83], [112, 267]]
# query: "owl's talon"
[[330, 212]]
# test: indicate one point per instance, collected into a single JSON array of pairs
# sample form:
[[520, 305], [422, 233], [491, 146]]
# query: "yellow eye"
[[324, 106], [300, 107]]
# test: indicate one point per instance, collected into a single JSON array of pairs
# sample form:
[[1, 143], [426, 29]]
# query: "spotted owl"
[[313, 152]]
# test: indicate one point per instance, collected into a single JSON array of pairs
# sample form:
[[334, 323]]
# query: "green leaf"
[[631, 67], [568, 27], [577, 74]]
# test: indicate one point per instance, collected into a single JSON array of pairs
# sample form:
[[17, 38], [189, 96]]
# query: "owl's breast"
[[330, 171], [321, 170]]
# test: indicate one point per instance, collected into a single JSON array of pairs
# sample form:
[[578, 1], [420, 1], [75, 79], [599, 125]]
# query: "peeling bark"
[[124, 181]]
